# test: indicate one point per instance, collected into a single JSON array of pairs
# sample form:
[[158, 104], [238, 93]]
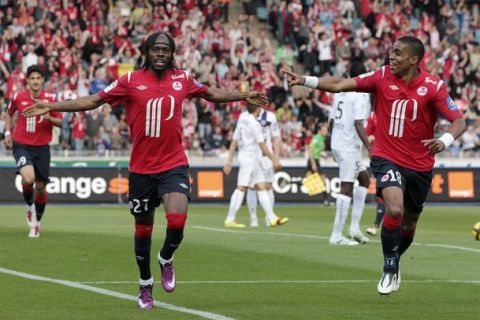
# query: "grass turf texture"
[[288, 272]]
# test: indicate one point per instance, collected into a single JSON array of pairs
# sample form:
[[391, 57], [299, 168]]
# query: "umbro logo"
[[180, 76], [142, 87], [394, 87], [183, 185], [24, 103]]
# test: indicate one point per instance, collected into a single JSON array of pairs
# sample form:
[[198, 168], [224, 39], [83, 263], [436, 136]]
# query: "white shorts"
[[350, 165], [249, 173], [267, 167]]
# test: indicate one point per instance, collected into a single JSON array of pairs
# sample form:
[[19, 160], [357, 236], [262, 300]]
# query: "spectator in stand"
[[110, 121], [79, 133], [94, 122], [216, 142], [204, 119]]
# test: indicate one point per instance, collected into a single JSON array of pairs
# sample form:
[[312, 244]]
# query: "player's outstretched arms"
[[457, 127], [220, 95], [80, 104], [329, 84]]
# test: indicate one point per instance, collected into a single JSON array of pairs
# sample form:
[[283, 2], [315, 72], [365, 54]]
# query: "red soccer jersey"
[[406, 115], [154, 115], [34, 131], [371, 126]]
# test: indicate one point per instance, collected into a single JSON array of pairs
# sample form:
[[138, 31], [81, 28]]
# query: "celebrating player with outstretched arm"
[[407, 101], [158, 164]]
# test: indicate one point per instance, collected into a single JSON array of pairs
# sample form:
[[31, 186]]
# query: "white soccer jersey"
[[270, 127], [348, 107], [249, 134]]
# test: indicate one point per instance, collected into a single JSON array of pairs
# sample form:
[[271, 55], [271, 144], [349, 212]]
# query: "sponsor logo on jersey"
[[180, 76], [451, 104], [142, 87], [394, 87], [177, 86], [24, 103], [111, 86], [429, 80], [422, 91]]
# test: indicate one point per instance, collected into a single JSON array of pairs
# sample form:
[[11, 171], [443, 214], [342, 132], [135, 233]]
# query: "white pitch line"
[[76, 285], [289, 281], [310, 236]]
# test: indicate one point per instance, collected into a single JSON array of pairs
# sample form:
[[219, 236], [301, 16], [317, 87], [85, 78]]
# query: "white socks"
[[148, 282], [235, 204], [341, 212], [266, 204], [252, 206], [359, 195]]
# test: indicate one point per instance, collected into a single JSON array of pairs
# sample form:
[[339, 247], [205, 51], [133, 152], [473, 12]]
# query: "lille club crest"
[[177, 86]]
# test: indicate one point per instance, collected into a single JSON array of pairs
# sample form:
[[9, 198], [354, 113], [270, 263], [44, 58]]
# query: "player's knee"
[[176, 221], [408, 229], [143, 231], [346, 188], [394, 210]]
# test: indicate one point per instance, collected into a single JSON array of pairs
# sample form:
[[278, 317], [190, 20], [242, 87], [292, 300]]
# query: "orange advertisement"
[[210, 184], [460, 184]]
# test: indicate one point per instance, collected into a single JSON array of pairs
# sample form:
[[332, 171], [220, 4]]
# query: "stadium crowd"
[[82, 45]]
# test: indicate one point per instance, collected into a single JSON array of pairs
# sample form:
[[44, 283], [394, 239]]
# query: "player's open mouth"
[[160, 63]]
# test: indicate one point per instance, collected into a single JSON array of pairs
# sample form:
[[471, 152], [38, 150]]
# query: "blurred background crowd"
[[83, 45]]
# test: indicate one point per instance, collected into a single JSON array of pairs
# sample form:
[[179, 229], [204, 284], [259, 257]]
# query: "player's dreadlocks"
[[150, 41]]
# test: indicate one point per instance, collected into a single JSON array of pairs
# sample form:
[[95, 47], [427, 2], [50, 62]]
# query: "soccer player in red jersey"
[[29, 138], [407, 102], [158, 164]]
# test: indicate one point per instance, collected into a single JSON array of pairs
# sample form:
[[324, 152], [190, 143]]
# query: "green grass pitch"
[[83, 267]]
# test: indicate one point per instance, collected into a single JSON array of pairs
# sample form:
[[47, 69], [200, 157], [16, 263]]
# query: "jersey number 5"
[[339, 111]]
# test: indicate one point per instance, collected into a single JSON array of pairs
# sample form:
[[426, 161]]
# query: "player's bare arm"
[[218, 95], [227, 168], [457, 127], [363, 135], [80, 104], [276, 164], [329, 84], [276, 144], [8, 126]]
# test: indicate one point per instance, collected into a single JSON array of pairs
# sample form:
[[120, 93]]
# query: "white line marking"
[[76, 285], [290, 281], [309, 236]]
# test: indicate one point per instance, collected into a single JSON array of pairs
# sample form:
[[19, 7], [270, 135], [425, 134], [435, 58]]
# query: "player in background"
[[370, 130], [407, 101], [158, 164], [347, 117], [249, 138], [314, 154], [272, 139], [29, 138]]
